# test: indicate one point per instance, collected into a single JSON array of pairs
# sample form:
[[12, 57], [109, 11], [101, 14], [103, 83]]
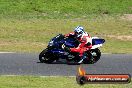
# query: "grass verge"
[[60, 9], [50, 82], [33, 35]]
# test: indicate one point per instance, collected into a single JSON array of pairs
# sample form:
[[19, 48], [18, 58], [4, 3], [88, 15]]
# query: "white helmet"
[[79, 31]]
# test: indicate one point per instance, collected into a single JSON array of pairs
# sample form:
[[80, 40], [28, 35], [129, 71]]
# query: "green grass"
[[33, 35], [27, 26], [59, 9], [50, 82], [117, 46]]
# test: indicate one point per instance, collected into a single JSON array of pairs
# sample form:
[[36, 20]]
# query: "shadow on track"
[[61, 62]]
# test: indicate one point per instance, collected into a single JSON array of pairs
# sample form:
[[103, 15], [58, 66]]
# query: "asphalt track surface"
[[28, 64]]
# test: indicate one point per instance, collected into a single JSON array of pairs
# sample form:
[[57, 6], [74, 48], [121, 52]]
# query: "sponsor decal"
[[82, 77]]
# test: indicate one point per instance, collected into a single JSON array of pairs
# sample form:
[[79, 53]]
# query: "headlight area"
[[51, 43]]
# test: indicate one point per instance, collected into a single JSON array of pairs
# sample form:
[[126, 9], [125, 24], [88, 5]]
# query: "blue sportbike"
[[54, 50]]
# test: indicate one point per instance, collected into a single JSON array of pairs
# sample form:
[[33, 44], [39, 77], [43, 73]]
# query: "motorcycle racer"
[[84, 39]]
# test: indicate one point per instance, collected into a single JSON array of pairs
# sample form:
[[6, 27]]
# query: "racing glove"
[[65, 48], [88, 44]]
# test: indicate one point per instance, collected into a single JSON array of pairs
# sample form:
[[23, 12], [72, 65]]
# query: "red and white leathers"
[[82, 47]]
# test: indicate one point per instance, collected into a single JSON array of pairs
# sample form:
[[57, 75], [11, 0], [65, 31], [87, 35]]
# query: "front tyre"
[[92, 56], [45, 57]]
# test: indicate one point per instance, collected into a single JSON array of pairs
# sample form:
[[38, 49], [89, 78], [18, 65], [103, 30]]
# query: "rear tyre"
[[45, 57]]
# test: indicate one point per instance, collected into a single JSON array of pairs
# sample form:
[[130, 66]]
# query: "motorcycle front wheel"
[[45, 57], [92, 57], [96, 54]]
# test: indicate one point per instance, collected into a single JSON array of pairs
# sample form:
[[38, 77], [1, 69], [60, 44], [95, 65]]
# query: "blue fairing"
[[56, 50], [56, 44], [59, 52], [97, 41]]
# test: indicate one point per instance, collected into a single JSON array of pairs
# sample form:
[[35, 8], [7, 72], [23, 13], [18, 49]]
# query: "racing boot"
[[81, 59]]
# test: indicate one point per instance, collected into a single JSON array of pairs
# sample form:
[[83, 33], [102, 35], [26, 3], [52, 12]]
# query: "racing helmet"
[[79, 30]]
